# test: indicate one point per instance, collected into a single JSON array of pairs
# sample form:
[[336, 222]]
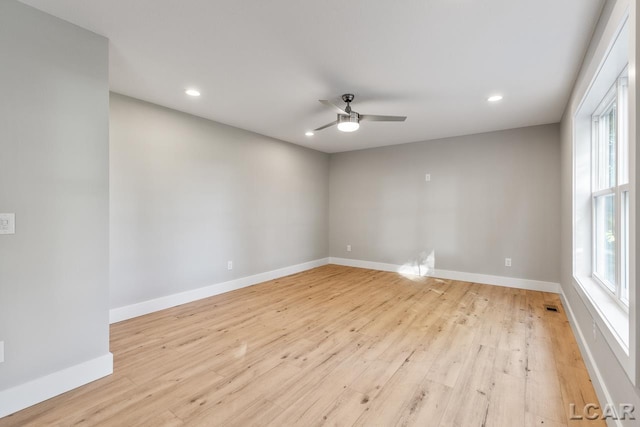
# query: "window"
[[610, 192], [603, 205]]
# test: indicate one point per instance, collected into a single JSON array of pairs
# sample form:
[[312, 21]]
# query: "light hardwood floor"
[[338, 346]]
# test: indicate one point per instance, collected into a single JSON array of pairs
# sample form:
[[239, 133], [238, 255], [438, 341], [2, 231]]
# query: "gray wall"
[[613, 374], [54, 176], [491, 196], [188, 194]]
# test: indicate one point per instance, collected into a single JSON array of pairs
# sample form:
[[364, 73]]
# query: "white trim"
[[24, 395], [145, 307], [605, 308], [509, 282], [604, 396], [371, 265]]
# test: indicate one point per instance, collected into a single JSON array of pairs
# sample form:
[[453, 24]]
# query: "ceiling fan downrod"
[[348, 97]]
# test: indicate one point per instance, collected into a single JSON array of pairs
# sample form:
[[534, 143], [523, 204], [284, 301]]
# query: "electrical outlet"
[[229, 265], [348, 248], [427, 177], [1, 351], [507, 262]]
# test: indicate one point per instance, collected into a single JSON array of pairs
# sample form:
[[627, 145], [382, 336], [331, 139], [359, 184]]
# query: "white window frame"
[[615, 325], [618, 95]]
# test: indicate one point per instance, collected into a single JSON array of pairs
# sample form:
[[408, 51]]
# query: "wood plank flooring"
[[338, 346]]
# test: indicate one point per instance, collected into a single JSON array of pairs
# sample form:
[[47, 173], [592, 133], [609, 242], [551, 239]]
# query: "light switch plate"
[[7, 223]]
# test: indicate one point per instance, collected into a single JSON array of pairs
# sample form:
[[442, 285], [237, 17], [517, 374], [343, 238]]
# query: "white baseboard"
[[24, 395], [596, 376], [364, 264], [510, 282], [156, 304]]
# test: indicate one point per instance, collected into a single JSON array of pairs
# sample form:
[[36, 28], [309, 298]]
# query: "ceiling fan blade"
[[333, 107], [326, 126], [374, 118]]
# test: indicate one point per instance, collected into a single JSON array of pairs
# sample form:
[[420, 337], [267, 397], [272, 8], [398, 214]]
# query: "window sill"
[[612, 316]]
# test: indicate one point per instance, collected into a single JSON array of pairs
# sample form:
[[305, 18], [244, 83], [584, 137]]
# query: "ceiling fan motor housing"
[[352, 117], [348, 97]]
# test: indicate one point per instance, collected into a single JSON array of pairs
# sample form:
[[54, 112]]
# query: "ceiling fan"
[[349, 120]]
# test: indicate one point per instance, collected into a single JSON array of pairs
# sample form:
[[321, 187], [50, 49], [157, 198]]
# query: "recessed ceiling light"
[[192, 92], [308, 133], [494, 98]]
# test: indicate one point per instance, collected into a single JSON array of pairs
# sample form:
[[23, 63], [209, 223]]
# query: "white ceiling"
[[262, 65]]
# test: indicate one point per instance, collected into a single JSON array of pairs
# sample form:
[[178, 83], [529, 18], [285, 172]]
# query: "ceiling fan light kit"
[[349, 120], [348, 123]]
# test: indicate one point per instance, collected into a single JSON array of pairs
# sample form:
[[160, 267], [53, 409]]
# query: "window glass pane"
[[605, 239], [606, 148], [624, 230], [623, 129]]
